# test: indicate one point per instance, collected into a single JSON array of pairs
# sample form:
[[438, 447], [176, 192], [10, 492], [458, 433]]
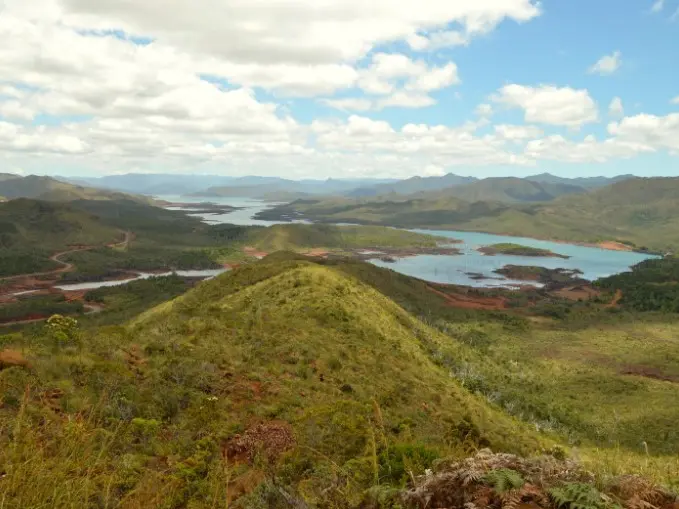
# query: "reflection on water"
[[593, 262]]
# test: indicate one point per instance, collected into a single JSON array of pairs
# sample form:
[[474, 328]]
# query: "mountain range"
[[536, 188]]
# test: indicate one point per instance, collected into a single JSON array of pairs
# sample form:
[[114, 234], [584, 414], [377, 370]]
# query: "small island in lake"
[[508, 248], [548, 277]]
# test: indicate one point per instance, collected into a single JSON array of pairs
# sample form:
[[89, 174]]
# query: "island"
[[508, 248], [548, 277]]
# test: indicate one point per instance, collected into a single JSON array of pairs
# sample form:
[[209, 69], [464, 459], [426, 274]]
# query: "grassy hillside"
[[298, 236], [284, 380], [640, 212], [507, 190], [49, 189], [290, 382], [32, 231]]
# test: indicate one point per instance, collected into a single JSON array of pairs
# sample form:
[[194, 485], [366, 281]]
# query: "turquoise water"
[[593, 262]]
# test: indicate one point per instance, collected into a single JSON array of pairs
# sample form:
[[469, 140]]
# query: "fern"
[[580, 496], [504, 480]]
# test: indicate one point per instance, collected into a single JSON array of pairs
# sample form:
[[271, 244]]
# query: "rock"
[[12, 358]]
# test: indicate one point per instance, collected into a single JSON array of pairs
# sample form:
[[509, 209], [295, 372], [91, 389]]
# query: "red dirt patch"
[[270, 439], [458, 300], [614, 246], [254, 252], [318, 253], [616, 299], [579, 292], [12, 358]]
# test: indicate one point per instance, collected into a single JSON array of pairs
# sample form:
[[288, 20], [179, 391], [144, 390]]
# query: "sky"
[[340, 88]]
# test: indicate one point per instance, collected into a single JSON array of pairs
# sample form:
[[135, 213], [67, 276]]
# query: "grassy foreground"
[[335, 384]]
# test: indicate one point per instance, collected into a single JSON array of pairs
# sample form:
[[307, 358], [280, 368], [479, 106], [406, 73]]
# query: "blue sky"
[[341, 89]]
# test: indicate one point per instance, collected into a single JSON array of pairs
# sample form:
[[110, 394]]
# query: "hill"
[[50, 189], [642, 213], [291, 382], [280, 381], [31, 231], [411, 185], [584, 182], [289, 237], [509, 190]]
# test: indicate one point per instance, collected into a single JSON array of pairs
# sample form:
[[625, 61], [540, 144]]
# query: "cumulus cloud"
[[607, 64], [549, 104], [616, 109], [518, 132], [301, 32]]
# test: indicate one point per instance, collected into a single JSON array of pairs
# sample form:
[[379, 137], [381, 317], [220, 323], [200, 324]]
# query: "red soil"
[[458, 300]]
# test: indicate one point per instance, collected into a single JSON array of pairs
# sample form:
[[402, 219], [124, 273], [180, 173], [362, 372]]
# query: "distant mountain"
[[411, 185], [8, 176], [50, 189], [217, 185], [283, 188], [586, 182], [510, 190]]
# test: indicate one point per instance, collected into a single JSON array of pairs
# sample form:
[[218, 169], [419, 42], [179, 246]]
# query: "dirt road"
[[67, 267]]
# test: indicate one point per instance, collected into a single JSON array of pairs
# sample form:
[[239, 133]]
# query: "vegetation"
[[328, 383], [121, 303], [643, 213], [29, 308], [301, 236], [518, 250], [50, 189], [652, 285]]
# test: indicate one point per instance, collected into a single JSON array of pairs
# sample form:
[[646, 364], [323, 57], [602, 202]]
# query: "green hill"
[[641, 212], [510, 190], [281, 372], [298, 236], [31, 231], [50, 189], [325, 384]]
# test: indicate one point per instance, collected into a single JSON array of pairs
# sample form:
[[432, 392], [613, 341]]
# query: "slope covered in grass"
[[278, 379], [641, 212], [299, 236], [50, 189]]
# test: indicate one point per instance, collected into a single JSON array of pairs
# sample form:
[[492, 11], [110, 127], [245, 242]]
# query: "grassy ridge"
[[292, 379], [299, 236], [274, 344]]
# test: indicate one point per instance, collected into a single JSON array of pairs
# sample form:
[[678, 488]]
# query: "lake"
[[244, 216], [593, 262], [205, 274]]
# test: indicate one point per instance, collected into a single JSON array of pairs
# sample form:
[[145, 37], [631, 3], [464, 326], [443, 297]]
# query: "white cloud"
[[548, 104], [658, 6], [675, 100], [390, 71], [484, 110], [517, 132], [406, 99], [654, 132], [301, 32], [616, 109], [607, 64]]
